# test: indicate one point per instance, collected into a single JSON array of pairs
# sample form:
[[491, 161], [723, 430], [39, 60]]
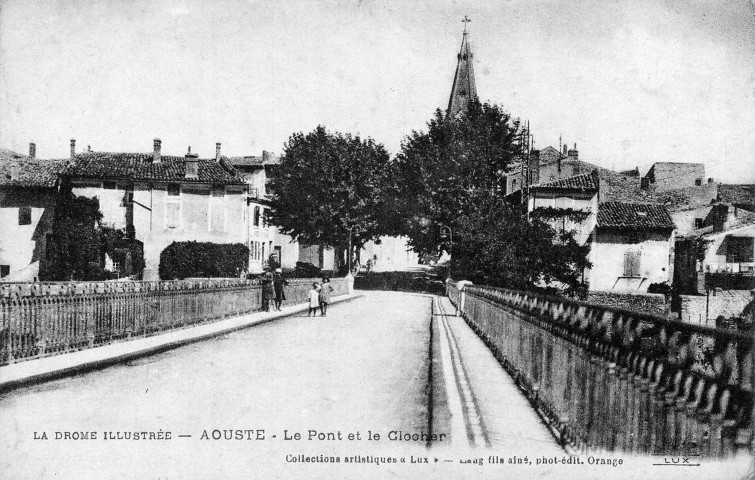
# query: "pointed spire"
[[464, 88]]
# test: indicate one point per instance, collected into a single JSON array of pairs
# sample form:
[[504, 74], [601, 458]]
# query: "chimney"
[[192, 165], [596, 179], [573, 154], [720, 215], [33, 150], [73, 147], [156, 151], [217, 152], [558, 162]]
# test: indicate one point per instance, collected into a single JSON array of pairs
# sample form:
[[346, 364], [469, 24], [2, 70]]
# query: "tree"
[[450, 178], [328, 183], [500, 246], [76, 250], [438, 173]]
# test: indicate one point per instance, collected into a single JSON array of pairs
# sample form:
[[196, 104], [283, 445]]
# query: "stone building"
[[633, 248], [664, 176], [28, 194], [164, 198]]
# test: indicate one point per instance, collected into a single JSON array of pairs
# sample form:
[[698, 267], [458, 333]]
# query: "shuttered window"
[[632, 263]]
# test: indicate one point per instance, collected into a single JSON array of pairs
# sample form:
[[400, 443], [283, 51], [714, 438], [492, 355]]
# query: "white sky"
[[631, 82]]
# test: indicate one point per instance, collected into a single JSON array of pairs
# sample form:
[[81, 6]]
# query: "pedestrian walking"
[[314, 299], [268, 290], [278, 283], [325, 290]]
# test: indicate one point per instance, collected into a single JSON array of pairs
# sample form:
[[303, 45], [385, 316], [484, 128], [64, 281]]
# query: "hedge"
[[182, 260]]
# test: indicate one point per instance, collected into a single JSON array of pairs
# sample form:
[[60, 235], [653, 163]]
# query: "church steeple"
[[464, 89]]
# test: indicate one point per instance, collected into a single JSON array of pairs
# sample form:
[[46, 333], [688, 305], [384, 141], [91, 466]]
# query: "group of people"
[[273, 294], [319, 296], [272, 289]]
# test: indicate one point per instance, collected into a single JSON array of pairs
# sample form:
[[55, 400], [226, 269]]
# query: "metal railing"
[[37, 320], [613, 380]]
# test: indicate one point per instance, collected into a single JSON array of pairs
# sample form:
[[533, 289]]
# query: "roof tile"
[[634, 216], [139, 167]]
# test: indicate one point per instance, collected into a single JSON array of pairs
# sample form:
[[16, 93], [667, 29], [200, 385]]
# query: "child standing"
[[325, 291], [314, 299]]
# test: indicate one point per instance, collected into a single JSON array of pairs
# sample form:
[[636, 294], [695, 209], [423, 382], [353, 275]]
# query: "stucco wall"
[[202, 217], [608, 260], [586, 203], [22, 247]]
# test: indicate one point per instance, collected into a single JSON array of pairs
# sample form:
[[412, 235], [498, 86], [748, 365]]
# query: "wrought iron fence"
[[613, 380], [43, 319]]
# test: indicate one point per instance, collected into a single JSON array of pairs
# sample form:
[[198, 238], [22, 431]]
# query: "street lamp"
[[352, 229], [446, 232]]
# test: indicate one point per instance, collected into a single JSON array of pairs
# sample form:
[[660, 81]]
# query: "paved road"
[[362, 368]]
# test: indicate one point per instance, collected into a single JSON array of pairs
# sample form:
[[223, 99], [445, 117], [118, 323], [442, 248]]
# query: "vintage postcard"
[[247, 239]]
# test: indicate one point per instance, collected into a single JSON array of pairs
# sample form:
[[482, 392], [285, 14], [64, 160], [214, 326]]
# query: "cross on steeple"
[[463, 90]]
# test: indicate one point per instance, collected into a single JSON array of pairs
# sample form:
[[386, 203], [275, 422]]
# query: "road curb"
[[41, 370]]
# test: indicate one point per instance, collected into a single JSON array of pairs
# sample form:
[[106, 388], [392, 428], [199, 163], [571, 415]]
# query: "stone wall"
[[705, 309], [652, 303]]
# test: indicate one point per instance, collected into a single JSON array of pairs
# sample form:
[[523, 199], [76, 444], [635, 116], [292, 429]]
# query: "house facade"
[[164, 199], [633, 247], [28, 194]]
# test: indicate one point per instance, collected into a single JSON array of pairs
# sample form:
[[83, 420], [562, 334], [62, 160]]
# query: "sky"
[[630, 82]]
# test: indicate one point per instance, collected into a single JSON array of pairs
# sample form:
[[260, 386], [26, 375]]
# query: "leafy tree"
[[502, 247], [438, 173], [327, 183], [76, 249], [450, 176]]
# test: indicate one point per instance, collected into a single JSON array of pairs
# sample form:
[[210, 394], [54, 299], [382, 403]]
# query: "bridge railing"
[[613, 380], [37, 320]]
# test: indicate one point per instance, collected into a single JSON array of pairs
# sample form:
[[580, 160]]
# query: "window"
[[698, 223], [173, 206], [24, 216], [109, 185], [4, 270], [739, 249], [217, 210], [256, 216], [698, 181], [632, 263]]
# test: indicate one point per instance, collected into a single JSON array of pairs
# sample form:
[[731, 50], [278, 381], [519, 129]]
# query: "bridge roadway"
[[363, 368]]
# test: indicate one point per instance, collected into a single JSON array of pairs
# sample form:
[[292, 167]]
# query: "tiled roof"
[[250, 161], [633, 215], [139, 167], [585, 181], [25, 171]]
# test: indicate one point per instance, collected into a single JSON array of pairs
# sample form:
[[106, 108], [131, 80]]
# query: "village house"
[[633, 248], [163, 198], [631, 244], [28, 193]]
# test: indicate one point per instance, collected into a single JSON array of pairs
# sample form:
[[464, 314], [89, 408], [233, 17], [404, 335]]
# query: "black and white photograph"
[[346, 239]]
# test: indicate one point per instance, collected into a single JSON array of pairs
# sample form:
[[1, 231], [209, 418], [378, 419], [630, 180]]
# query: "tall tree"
[[438, 173], [328, 185], [449, 178]]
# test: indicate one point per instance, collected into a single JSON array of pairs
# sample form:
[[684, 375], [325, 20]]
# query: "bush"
[[182, 260]]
